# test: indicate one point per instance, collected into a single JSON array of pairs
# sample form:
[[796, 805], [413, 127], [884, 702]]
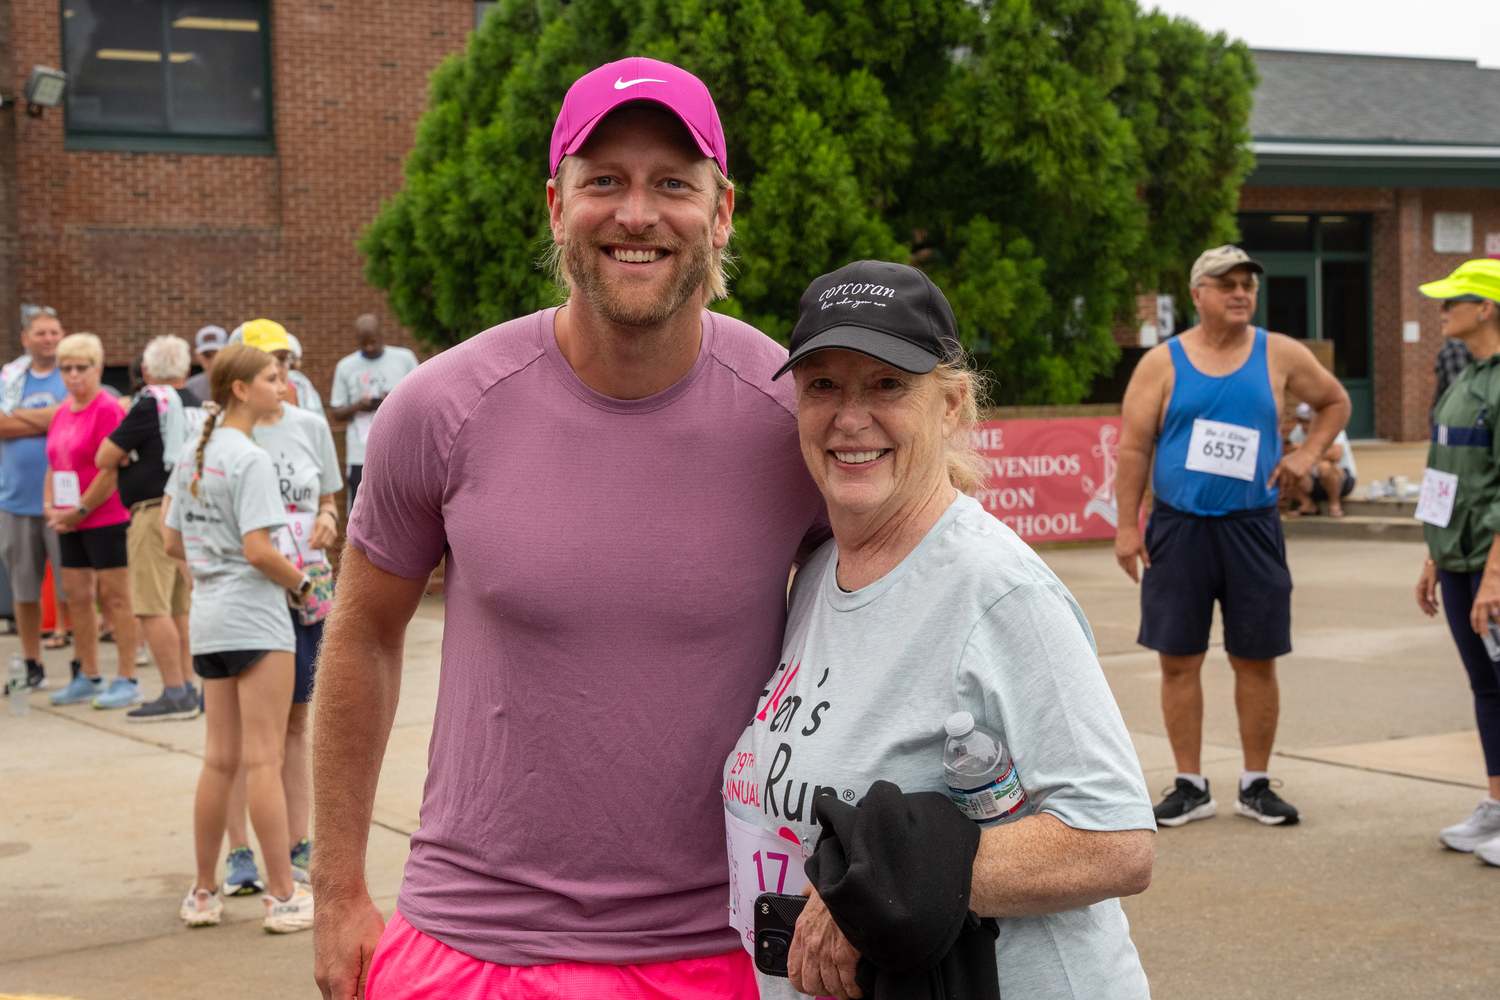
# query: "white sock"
[[1249, 777], [1198, 780], [1492, 800]]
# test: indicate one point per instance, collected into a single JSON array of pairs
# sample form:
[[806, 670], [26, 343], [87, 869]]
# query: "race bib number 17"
[[760, 860], [1222, 449]]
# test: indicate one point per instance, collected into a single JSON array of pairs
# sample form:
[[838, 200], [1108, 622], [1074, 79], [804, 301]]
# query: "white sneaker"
[[202, 908], [1483, 824], [290, 915], [1489, 852]]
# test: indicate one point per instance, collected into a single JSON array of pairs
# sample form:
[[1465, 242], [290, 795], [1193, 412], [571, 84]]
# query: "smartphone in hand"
[[775, 922]]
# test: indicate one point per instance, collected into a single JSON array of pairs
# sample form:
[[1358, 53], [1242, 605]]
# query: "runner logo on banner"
[[1051, 480]]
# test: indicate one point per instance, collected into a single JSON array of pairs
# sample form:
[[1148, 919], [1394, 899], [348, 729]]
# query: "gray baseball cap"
[[210, 338], [1222, 260]]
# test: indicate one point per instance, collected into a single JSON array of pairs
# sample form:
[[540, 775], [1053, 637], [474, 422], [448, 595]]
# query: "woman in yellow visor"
[[1460, 504]]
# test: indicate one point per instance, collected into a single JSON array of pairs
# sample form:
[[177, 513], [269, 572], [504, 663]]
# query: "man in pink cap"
[[618, 489]]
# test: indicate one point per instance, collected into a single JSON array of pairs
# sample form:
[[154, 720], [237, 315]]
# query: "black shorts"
[[95, 548], [1239, 560], [232, 663], [1320, 492]]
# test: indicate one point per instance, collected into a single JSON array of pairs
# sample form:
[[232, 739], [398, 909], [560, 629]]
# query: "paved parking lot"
[[1377, 748]]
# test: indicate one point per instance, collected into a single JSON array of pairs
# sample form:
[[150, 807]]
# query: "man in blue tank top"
[[1207, 403]]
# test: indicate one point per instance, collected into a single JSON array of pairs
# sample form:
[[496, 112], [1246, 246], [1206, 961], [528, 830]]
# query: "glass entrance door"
[[1317, 286]]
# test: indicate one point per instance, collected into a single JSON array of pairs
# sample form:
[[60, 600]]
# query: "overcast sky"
[[1459, 29]]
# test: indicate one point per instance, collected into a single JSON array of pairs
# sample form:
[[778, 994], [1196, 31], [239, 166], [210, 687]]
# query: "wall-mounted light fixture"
[[44, 89]]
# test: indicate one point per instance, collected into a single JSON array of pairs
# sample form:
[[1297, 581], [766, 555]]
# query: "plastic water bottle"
[[1491, 637], [20, 702], [980, 775]]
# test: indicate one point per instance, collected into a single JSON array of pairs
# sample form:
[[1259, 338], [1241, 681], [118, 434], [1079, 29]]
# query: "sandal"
[[57, 640]]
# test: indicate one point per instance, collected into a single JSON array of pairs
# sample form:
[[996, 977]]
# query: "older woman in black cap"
[[923, 607]]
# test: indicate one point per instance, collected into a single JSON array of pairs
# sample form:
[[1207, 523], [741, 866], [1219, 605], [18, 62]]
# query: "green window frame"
[[181, 21]]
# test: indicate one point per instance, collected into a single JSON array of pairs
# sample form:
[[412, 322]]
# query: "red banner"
[[1051, 480]]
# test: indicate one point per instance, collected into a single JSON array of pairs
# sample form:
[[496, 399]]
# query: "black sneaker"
[[36, 676], [1258, 802], [1185, 803]]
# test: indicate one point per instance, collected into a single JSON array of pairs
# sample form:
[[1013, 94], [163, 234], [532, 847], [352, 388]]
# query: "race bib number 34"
[[1222, 449]]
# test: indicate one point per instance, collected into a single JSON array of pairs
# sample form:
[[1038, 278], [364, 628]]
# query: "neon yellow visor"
[[1473, 277]]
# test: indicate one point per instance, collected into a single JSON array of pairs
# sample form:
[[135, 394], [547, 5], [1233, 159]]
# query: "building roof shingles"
[[1314, 95]]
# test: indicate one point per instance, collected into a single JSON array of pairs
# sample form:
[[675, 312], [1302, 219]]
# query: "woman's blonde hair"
[[966, 467], [235, 363], [82, 346]]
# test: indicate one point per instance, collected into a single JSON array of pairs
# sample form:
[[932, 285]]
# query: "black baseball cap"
[[890, 312]]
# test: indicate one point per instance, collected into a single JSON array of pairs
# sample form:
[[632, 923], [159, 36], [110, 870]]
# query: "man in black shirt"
[[159, 587]]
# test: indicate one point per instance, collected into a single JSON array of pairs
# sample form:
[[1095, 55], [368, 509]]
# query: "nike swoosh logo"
[[622, 84]]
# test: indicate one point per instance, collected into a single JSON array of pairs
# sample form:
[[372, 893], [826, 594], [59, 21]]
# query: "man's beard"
[[585, 267]]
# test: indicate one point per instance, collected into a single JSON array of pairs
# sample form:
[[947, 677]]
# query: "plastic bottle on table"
[[980, 775], [20, 702]]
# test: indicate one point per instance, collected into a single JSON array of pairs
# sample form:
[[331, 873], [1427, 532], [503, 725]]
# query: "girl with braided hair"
[[225, 503]]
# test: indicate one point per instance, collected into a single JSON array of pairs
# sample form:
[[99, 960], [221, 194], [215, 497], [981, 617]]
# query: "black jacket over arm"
[[894, 872]]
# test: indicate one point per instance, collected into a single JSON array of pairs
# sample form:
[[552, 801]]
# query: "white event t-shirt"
[[301, 448], [357, 377], [971, 620], [235, 606]]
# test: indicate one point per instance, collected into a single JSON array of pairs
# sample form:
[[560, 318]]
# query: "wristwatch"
[[304, 588], [82, 511]]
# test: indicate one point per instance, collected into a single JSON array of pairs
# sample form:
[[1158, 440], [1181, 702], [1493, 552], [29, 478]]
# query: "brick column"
[[1407, 418], [10, 84]]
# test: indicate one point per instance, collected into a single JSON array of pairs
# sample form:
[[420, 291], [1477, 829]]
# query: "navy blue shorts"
[[1238, 560], [309, 638]]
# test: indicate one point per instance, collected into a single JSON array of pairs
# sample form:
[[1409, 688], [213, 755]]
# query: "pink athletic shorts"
[[410, 965]]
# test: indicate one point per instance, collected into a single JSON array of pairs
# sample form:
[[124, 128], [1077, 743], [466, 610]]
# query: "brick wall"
[[9, 303], [131, 245], [1402, 259]]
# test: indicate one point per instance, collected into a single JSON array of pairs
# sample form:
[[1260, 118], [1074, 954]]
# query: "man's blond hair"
[[715, 284]]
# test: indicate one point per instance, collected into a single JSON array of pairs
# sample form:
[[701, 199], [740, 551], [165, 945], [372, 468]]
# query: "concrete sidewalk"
[[1377, 748]]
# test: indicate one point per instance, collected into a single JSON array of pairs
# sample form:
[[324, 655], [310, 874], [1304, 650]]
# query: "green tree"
[[1042, 160]]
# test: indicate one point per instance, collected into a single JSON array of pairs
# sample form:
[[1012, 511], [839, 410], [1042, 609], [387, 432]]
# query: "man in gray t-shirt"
[[207, 345], [360, 382]]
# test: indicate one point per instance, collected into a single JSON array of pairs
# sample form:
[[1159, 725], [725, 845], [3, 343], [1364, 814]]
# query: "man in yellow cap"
[[1460, 504]]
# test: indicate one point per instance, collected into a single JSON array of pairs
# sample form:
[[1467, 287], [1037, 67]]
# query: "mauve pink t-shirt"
[[615, 598]]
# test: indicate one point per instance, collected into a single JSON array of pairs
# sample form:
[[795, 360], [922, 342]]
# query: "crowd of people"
[[600, 630], [199, 512]]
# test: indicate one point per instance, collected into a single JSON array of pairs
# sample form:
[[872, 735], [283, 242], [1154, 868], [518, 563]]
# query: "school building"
[[215, 160], [1374, 175]]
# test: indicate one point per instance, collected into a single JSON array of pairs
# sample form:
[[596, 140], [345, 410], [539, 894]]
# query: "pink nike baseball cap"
[[614, 84]]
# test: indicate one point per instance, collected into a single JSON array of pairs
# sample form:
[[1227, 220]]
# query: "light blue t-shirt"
[[971, 620], [23, 461], [235, 606]]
